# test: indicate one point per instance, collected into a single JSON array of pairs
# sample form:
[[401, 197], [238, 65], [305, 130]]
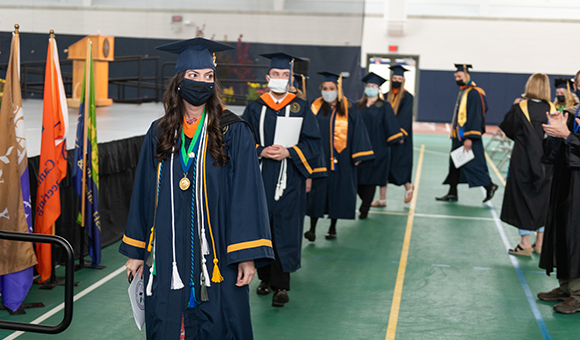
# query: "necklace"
[[188, 156]]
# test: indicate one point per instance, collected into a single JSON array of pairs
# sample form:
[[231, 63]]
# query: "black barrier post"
[[68, 287]]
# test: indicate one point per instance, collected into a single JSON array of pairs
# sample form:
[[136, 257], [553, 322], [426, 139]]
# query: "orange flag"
[[52, 168]]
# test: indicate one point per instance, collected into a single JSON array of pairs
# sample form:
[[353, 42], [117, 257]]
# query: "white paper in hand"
[[460, 157], [288, 131], [137, 297]]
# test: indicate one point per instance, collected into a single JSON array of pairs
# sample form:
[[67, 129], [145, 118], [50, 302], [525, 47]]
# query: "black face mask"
[[196, 93], [460, 82], [396, 84], [561, 99]]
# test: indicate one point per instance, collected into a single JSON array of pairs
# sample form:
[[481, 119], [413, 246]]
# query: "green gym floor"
[[455, 280]]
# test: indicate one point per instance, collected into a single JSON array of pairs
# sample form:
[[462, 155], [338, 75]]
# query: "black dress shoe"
[[263, 288], [363, 215], [280, 298], [330, 236], [490, 192], [310, 236], [448, 198]]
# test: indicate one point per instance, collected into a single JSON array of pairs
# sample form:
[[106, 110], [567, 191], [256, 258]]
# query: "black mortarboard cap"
[[329, 76], [561, 83], [398, 70], [194, 54], [280, 60], [463, 67], [374, 78]]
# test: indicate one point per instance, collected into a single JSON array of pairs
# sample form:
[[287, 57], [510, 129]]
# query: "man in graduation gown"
[[179, 219], [561, 247], [467, 128], [284, 170]]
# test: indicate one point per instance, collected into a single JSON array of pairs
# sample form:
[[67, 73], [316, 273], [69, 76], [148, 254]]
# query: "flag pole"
[[85, 128]]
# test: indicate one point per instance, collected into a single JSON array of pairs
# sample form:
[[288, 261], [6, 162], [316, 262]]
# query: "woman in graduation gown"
[[527, 191], [198, 221], [384, 131], [345, 144]]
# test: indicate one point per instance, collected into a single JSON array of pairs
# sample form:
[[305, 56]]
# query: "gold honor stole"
[[462, 112], [340, 138]]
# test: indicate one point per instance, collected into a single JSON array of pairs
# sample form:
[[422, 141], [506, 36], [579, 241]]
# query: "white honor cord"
[[199, 205], [149, 288], [176, 282]]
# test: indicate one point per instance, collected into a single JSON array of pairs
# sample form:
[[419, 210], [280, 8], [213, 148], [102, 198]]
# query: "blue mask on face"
[[371, 91]]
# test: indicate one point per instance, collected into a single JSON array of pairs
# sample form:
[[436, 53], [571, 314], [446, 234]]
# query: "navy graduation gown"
[[285, 215], [475, 172], [401, 167], [384, 131], [335, 195], [239, 223]]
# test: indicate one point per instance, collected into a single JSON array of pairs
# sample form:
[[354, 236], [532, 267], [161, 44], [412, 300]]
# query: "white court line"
[[76, 297], [433, 216], [433, 152]]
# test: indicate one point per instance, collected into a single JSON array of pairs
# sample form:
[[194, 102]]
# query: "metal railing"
[[139, 82], [68, 287]]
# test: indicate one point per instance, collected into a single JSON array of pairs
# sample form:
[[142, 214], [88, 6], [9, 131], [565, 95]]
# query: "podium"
[[103, 53]]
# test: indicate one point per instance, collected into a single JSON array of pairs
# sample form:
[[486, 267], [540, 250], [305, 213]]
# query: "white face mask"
[[329, 96], [278, 85]]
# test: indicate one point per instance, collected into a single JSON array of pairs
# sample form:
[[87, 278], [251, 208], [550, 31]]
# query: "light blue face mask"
[[372, 91]]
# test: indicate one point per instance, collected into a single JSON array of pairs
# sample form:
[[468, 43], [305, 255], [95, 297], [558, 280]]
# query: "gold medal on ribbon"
[[184, 183], [191, 155]]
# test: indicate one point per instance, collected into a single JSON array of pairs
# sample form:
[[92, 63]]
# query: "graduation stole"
[[267, 98], [339, 130], [461, 108]]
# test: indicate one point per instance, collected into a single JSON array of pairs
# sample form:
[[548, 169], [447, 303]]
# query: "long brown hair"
[[395, 100], [173, 119], [340, 110]]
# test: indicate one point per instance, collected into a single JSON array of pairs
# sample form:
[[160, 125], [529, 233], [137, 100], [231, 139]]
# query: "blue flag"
[[86, 170]]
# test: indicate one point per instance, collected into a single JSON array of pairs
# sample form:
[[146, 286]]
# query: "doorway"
[[380, 63]]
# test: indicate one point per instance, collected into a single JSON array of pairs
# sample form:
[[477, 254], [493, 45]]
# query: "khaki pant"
[[571, 287]]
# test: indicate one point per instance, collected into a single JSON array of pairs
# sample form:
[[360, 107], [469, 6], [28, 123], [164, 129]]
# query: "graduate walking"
[[401, 165], [198, 220], [345, 144], [525, 201], [468, 126], [384, 132], [285, 169]]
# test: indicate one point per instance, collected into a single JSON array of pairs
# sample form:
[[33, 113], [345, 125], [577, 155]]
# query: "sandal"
[[537, 249], [409, 194], [518, 250], [379, 203]]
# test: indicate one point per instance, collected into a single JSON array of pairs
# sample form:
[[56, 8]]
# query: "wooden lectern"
[[103, 52]]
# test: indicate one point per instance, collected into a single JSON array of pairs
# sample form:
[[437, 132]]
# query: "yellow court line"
[[394, 316], [495, 169]]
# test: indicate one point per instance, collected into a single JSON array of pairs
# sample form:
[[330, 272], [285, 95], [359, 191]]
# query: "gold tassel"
[[214, 62], [304, 86], [216, 276], [339, 84]]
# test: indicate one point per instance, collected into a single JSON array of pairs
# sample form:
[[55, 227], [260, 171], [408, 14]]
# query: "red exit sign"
[[393, 48]]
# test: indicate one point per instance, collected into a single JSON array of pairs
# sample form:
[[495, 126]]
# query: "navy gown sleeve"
[[474, 124], [141, 210], [573, 151], [405, 115], [361, 148], [391, 124], [248, 233], [308, 148], [253, 118]]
